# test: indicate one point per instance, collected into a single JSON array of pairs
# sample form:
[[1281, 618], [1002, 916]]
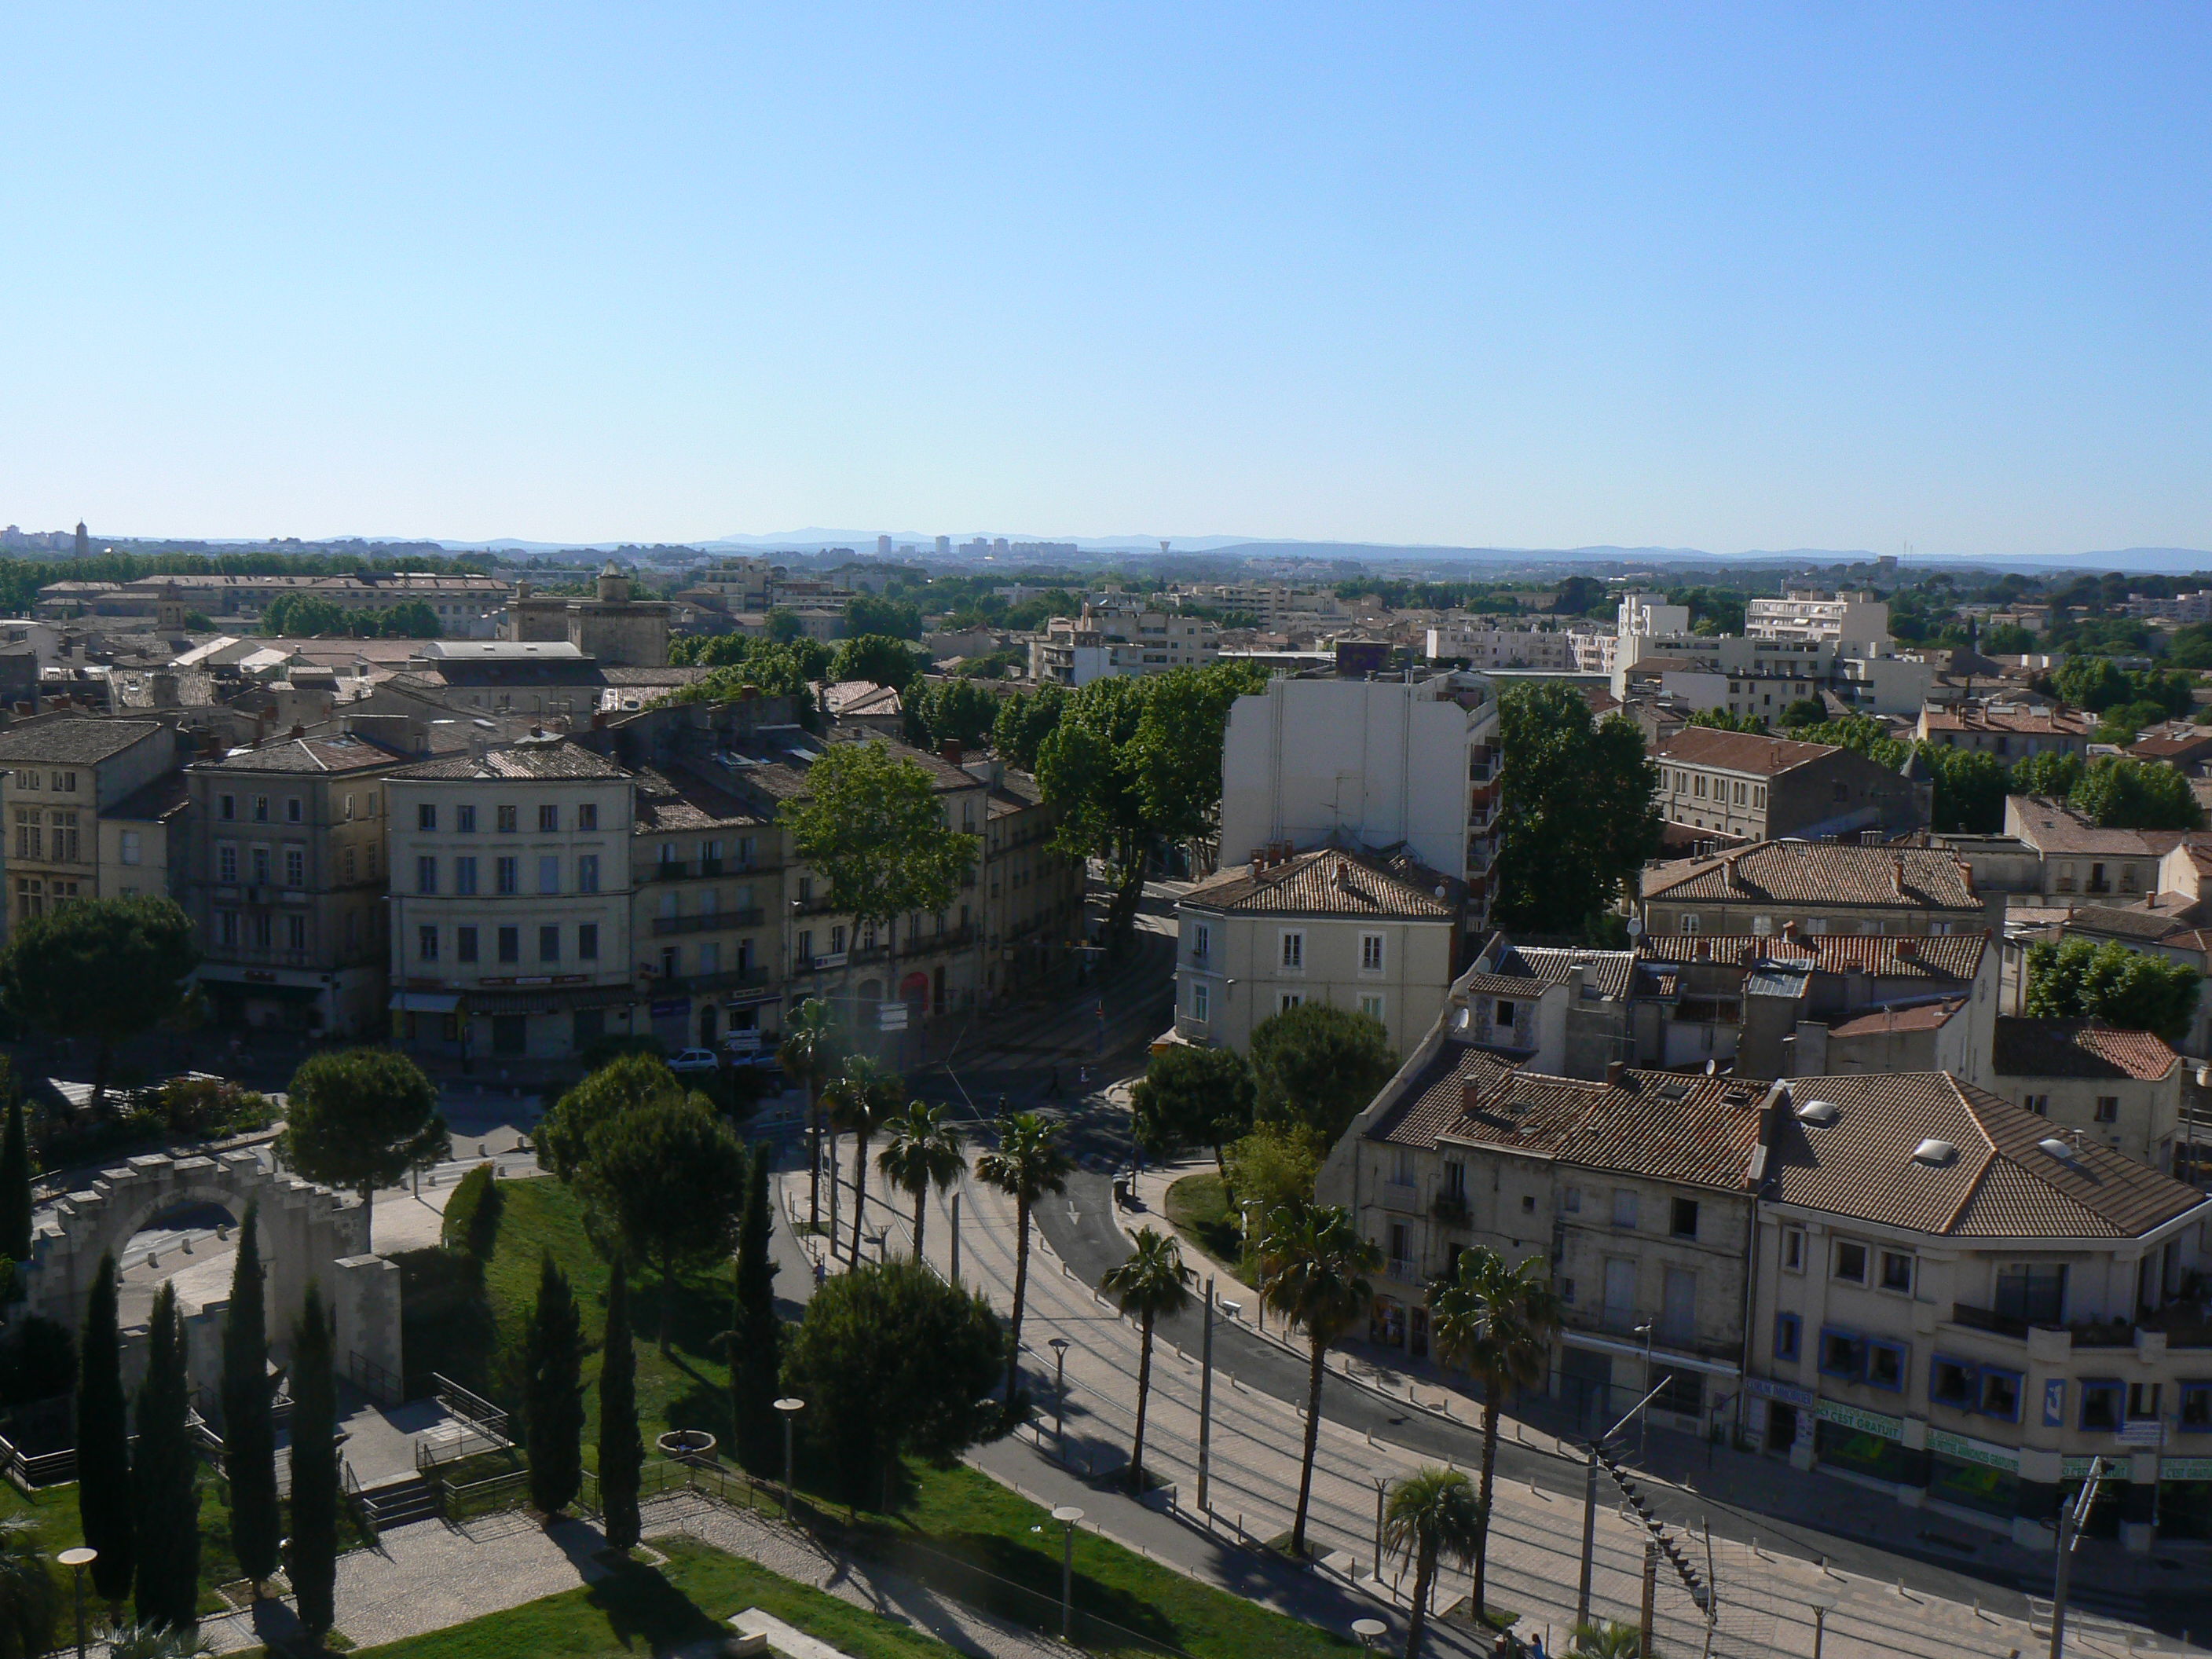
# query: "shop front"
[[1869, 1444], [1974, 1475], [2184, 1499]]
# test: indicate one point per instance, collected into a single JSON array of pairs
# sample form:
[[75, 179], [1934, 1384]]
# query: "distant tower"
[[944, 546], [83, 541], [1163, 547], [169, 610], [883, 547], [614, 584]]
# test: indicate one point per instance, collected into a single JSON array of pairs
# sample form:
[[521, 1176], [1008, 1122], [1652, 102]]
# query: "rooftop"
[[561, 759], [1328, 881], [1740, 751], [341, 753], [2052, 826], [2079, 1048], [1800, 873], [1883, 956], [71, 739]]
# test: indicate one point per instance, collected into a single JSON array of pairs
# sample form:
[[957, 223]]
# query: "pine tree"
[[553, 1349], [14, 1183], [249, 1429], [164, 1477], [757, 1335], [315, 1563], [622, 1450], [103, 1443]]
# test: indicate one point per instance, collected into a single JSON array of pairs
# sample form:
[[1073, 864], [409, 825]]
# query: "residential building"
[[65, 781], [1812, 613], [2121, 1089], [1331, 926], [2010, 732], [1824, 889], [141, 839], [2080, 861], [1032, 894], [1392, 764], [1105, 643], [553, 679], [706, 868], [611, 626], [1752, 787], [1954, 1302], [1483, 649], [1644, 615]]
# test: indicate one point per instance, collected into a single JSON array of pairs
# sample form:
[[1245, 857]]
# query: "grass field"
[[1198, 1208]]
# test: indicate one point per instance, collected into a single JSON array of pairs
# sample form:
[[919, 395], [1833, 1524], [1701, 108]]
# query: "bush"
[[472, 1213], [209, 1108], [38, 1361]]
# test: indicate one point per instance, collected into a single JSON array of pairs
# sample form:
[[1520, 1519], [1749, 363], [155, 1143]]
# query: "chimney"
[[1897, 874], [297, 731], [951, 751], [1258, 859], [1908, 947], [1790, 930], [1614, 1072]]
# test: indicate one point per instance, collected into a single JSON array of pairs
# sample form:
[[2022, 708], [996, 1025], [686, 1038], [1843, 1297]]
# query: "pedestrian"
[[1082, 1076]]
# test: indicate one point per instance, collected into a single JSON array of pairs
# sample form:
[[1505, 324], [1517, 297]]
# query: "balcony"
[[706, 922], [671, 869], [693, 985], [1404, 1270], [1401, 1195], [1450, 1208], [1984, 1319]]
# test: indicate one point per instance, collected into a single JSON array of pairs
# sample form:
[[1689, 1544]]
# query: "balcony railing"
[[671, 870], [1985, 1319], [1404, 1270], [1450, 1208], [736, 979], [1402, 1195], [706, 922]]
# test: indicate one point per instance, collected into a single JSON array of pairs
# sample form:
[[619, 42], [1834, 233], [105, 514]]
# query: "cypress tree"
[[103, 1443], [553, 1349], [757, 1335], [15, 1182], [164, 1478], [249, 1429], [622, 1450], [315, 1563]]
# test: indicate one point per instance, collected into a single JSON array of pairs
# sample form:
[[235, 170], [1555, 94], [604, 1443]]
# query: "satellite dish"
[[1635, 927]]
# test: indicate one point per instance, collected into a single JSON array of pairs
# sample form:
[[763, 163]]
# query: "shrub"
[[473, 1212]]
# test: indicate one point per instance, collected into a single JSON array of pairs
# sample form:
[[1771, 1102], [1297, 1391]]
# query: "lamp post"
[[76, 1561], [790, 1406], [1822, 1606], [1643, 1424], [1259, 1302], [1059, 1346], [1381, 1485], [1067, 1515]]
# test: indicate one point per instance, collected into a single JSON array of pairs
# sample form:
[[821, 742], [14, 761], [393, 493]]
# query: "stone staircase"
[[398, 1500]]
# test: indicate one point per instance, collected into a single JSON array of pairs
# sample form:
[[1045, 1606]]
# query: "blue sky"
[[1752, 277]]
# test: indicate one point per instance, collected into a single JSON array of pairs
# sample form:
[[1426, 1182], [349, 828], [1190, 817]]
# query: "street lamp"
[[1059, 1346], [1822, 1606], [1067, 1515], [1381, 1485], [1643, 1423], [790, 1407], [76, 1561]]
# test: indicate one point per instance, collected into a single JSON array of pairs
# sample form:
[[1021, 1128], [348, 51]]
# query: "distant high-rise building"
[[1163, 547], [883, 547], [944, 546], [83, 541], [998, 547]]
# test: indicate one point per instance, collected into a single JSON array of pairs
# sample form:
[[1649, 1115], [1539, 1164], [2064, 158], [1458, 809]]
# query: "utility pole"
[[2071, 1520], [1205, 1396], [954, 1275], [1589, 1535], [1651, 1588]]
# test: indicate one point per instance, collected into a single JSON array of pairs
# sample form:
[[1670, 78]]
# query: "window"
[[65, 837], [1294, 952], [2196, 1408], [1572, 1200], [510, 945], [1897, 1271], [1371, 953], [260, 863], [2000, 1393], [2142, 1401], [465, 875], [2032, 1292], [348, 864], [2100, 1404], [1290, 999], [464, 945], [464, 820], [1793, 1249], [1885, 1364], [425, 816], [293, 810], [549, 873], [587, 815], [2040, 1104], [1690, 924], [1850, 1262], [1371, 1005], [426, 875], [587, 942], [261, 809], [1202, 941], [349, 809], [352, 929], [1842, 1353], [507, 875], [30, 839], [2108, 1109], [1505, 1015], [1202, 1002], [549, 943], [226, 862], [806, 889], [1788, 1333], [296, 866], [1624, 1207], [1683, 1222], [130, 848], [226, 806], [587, 873], [226, 928], [295, 933], [426, 944], [507, 820], [549, 819], [261, 931]]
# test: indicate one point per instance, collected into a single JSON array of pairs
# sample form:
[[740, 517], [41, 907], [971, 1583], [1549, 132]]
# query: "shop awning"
[[425, 1002]]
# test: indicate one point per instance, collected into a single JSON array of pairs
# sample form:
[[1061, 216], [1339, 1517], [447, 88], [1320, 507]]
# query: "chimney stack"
[[951, 751], [1613, 1071]]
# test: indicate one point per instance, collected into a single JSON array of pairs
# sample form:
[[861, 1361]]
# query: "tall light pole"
[[1206, 1396], [1059, 1346], [76, 1561], [1381, 1485], [1643, 1424], [1067, 1515], [790, 1406]]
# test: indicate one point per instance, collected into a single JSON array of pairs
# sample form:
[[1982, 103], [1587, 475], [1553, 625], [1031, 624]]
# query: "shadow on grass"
[[1000, 1576], [640, 1604], [446, 1318]]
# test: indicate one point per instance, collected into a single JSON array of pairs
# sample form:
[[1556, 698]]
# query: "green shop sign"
[[1889, 1428], [1973, 1451]]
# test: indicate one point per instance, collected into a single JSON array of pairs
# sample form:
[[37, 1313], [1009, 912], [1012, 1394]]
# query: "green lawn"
[[1198, 1208]]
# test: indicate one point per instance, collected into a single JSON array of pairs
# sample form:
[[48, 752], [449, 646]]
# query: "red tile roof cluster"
[[1740, 751], [1330, 881], [2079, 1048], [1800, 873]]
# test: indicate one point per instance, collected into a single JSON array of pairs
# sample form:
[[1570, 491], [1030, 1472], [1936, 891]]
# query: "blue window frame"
[[1842, 1353], [2103, 1403], [2196, 1416], [1954, 1382], [2001, 1393], [1887, 1365], [1788, 1331]]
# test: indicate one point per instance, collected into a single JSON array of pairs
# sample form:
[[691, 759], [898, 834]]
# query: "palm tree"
[[1313, 1268], [865, 1094], [1150, 1280], [1432, 1514], [1027, 1164], [30, 1601], [1496, 1321], [923, 1151], [809, 1043], [1610, 1640]]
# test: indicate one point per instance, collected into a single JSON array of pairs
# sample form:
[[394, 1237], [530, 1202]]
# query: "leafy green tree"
[[1024, 719], [755, 1338], [784, 627], [312, 1565], [870, 614], [1433, 1515], [2007, 640], [1313, 1267], [870, 823], [952, 711], [1579, 817], [103, 1443], [1027, 1164], [1863, 735], [1721, 721], [549, 1368], [667, 1179], [30, 1600], [1611, 1639], [2095, 683], [38, 1360], [893, 1362], [809, 1053], [2190, 646], [621, 1085], [707, 650], [414, 620], [472, 1218], [1497, 1321], [363, 1118], [1191, 1097], [2124, 722], [922, 1151], [2051, 775], [876, 658], [249, 1428], [15, 1206], [621, 1448], [164, 1476], [2132, 990], [1969, 789], [1272, 1166], [861, 1100], [107, 970], [1150, 1280], [2119, 791], [1319, 1066], [1806, 711]]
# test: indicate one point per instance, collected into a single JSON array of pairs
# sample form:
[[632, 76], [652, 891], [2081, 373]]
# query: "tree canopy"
[[878, 657], [362, 1119], [1022, 722], [102, 969], [2134, 990], [1191, 1097], [1579, 816], [870, 823], [870, 613], [667, 1180], [2117, 792], [950, 711], [629, 1081], [1317, 1066]]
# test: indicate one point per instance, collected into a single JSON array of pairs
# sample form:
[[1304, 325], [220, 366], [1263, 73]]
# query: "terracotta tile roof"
[[72, 740], [2050, 826], [1932, 958], [1740, 751], [2079, 1049], [2001, 1184], [1800, 873], [680, 798], [1609, 970], [548, 760], [857, 697], [2128, 922], [345, 753], [1922, 1017], [1330, 881], [2033, 722]]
